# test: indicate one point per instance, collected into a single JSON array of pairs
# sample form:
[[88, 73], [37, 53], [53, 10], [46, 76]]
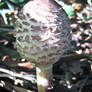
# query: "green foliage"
[[2, 3], [69, 10], [18, 1], [90, 57]]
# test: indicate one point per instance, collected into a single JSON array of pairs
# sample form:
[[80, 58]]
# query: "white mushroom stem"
[[44, 78]]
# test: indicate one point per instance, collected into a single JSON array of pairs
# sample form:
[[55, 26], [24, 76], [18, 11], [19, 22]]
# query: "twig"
[[26, 76], [83, 84], [16, 88], [7, 28], [72, 57]]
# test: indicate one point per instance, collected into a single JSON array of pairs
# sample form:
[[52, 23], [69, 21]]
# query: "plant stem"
[[44, 77]]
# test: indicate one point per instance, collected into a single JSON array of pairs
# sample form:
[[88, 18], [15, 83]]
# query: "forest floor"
[[72, 73]]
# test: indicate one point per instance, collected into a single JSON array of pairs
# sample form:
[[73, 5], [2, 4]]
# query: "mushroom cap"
[[43, 33]]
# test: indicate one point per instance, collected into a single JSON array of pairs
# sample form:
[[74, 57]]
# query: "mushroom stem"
[[44, 78]]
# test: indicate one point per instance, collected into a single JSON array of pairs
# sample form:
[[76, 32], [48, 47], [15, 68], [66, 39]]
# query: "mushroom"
[[43, 35]]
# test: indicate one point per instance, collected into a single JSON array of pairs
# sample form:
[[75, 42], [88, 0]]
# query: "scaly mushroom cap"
[[42, 32]]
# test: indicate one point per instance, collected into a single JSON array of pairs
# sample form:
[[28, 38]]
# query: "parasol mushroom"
[[43, 35]]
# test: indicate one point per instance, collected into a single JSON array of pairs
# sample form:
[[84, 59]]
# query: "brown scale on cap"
[[36, 37], [27, 38], [32, 20], [25, 30], [35, 27], [25, 23], [20, 38]]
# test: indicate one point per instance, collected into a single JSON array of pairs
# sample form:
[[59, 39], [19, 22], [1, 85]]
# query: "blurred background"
[[75, 70]]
